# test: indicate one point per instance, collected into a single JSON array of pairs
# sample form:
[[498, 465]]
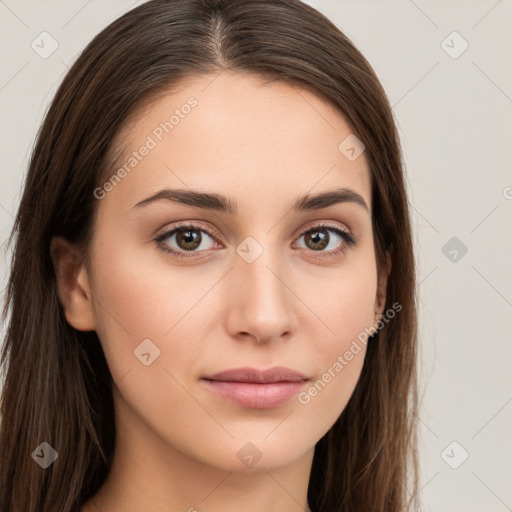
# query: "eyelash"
[[349, 239]]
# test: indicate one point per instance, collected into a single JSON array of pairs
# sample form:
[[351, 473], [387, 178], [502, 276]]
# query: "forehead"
[[233, 132]]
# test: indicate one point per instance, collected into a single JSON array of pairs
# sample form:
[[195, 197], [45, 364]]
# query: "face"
[[249, 283]]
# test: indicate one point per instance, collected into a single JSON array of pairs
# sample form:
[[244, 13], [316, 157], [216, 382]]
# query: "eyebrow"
[[220, 203]]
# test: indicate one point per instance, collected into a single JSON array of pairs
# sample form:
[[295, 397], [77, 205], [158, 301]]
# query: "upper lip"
[[246, 374]]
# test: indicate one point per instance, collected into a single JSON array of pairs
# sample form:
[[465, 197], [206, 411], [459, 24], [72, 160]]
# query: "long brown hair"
[[58, 388]]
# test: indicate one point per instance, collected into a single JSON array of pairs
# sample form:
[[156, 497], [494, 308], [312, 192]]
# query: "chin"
[[258, 454]]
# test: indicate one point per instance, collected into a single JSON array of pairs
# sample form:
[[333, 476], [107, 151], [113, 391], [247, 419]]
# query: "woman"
[[212, 295]]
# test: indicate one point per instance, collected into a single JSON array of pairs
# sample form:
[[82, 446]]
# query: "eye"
[[318, 238], [188, 238]]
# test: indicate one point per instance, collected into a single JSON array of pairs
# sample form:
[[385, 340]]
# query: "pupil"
[[319, 237], [188, 239]]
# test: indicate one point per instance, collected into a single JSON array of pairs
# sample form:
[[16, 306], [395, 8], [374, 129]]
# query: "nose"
[[260, 299]]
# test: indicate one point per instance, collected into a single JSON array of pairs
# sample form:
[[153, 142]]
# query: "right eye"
[[188, 238]]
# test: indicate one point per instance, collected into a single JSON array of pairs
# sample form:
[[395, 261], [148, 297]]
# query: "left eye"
[[318, 238], [189, 238]]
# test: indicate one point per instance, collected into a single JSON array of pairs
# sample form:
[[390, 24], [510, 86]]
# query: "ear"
[[72, 284], [380, 298]]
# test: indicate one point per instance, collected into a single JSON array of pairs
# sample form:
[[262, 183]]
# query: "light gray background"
[[455, 121]]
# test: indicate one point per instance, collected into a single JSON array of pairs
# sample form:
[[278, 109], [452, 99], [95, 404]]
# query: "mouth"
[[256, 389]]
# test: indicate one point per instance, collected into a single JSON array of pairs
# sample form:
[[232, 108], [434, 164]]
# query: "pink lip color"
[[257, 389]]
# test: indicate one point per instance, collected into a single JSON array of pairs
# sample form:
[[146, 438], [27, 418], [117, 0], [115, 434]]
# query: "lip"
[[257, 389]]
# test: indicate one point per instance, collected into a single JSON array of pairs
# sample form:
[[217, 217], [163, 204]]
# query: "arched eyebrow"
[[220, 203]]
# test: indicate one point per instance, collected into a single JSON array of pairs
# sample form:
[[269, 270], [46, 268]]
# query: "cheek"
[[340, 357], [346, 309], [327, 396], [344, 300], [139, 297]]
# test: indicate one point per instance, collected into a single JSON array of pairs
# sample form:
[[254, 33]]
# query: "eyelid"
[[329, 224], [200, 226], [349, 240]]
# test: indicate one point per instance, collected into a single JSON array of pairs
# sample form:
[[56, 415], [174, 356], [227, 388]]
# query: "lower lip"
[[254, 395]]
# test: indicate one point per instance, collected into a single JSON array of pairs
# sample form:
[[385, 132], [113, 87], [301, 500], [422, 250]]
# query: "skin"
[[177, 442]]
